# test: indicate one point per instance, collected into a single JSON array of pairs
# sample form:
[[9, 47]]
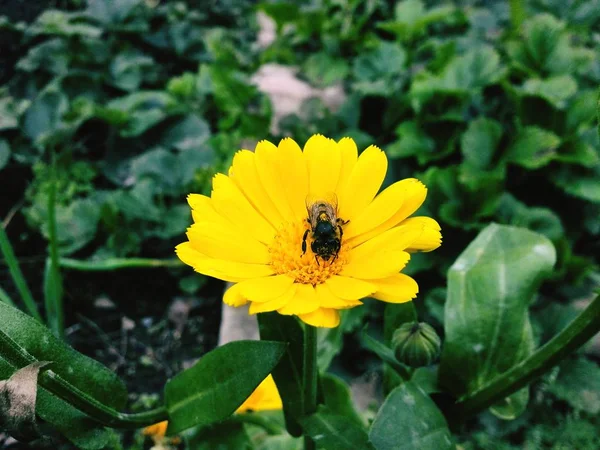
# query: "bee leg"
[[317, 260], [342, 221], [341, 232], [304, 241]]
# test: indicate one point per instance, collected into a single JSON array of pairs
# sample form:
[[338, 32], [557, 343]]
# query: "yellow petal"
[[322, 317], [231, 204], [398, 288], [274, 304], [380, 265], [350, 288], [398, 238], [378, 211], [364, 182], [217, 243], [233, 296], [328, 300], [349, 155], [303, 302], [266, 288], [413, 198], [430, 239], [204, 211], [323, 161], [219, 268], [244, 174], [292, 167], [265, 397], [267, 166]]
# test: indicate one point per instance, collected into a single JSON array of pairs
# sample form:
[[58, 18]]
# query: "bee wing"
[[329, 198]]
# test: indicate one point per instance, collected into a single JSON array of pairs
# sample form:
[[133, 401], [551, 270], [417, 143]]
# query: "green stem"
[[577, 333], [17, 275], [53, 287], [117, 263], [310, 378], [517, 14], [18, 357]]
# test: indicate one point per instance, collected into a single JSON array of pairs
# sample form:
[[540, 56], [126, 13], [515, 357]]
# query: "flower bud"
[[416, 344]]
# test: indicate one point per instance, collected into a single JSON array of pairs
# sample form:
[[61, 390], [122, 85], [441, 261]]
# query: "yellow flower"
[[157, 433], [264, 398], [250, 231]]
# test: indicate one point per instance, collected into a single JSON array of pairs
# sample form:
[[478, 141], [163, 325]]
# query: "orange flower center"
[[308, 268]]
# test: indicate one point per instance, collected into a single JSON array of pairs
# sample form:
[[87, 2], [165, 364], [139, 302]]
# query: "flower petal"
[[266, 288], [303, 302], [380, 265], [274, 304], [244, 174], [378, 211], [233, 296], [292, 167], [323, 160], [349, 156], [364, 182], [231, 204], [430, 239], [350, 288], [267, 166], [219, 268], [322, 317], [217, 243], [413, 198], [328, 300], [398, 288]]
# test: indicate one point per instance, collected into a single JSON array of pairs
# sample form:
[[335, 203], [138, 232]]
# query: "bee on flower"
[[306, 232]]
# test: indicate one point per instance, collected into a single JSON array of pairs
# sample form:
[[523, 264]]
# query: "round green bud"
[[416, 344]]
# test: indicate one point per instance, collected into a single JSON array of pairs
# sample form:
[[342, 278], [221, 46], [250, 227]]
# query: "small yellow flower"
[[157, 433], [257, 230], [264, 398]]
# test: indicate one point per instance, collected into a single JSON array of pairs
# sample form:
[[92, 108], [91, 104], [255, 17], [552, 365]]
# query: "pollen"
[[287, 257]]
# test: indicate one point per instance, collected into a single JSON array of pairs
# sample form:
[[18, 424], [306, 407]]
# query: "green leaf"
[[4, 153], [378, 72], [338, 398], [60, 23], [219, 383], [10, 111], [487, 327], [44, 115], [578, 383], [480, 141], [111, 11], [476, 69], [324, 70], [385, 354], [409, 420], [335, 432], [221, 436], [82, 372], [188, 133], [578, 182], [533, 148], [288, 373], [412, 141], [555, 90], [329, 344], [128, 69]]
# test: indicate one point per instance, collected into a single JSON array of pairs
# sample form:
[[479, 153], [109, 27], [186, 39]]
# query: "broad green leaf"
[[60, 23], [409, 420], [487, 327], [412, 141], [52, 56], [82, 372], [533, 148], [555, 90], [335, 432], [385, 354], [10, 110], [43, 116], [288, 373], [578, 383], [219, 383], [189, 133], [280, 442], [338, 398], [378, 71], [128, 70], [111, 11], [480, 141]]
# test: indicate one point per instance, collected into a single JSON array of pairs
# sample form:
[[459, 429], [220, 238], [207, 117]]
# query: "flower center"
[[307, 268]]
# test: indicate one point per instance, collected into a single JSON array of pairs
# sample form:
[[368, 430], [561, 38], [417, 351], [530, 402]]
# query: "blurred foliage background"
[[492, 104]]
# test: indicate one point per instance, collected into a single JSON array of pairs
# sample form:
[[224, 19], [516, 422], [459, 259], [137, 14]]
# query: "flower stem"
[[310, 378], [577, 333], [117, 263]]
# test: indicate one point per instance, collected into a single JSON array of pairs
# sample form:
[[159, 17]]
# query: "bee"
[[325, 228]]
